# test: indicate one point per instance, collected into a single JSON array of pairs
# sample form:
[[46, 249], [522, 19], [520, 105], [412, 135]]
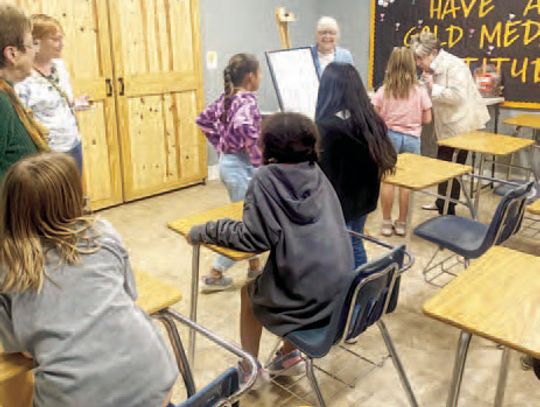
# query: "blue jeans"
[[76, 153], [404, 143], [359, 251], [235, 171]]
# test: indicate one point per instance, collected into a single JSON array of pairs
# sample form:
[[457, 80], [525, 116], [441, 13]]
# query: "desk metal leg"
[[467, 198], [478, 182], [194, 300], [459, 367], [449, 185], [503, 375]]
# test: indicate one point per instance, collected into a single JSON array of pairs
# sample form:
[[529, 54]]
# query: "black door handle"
[[108, 87], [122, 87]]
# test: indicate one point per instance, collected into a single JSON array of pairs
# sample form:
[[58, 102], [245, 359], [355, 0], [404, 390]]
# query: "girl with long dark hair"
[[355, 149]]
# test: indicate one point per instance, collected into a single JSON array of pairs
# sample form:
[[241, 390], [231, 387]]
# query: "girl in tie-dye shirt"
[[232, 124]]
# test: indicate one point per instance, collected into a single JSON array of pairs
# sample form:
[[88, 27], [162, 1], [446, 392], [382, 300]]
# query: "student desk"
[[485, 143], [417, 173], [529, 120], [16, 380], [495, 298], [534, 208], [183, 226]]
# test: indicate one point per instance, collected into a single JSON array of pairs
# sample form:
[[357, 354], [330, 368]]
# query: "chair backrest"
[[373, 291], [216, 392], [508, 216]]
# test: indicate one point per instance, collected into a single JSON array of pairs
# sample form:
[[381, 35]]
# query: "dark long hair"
[[234, 74], [341, 89]]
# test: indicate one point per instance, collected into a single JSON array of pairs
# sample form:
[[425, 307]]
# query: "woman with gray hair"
[[326, 49], [457, 105]]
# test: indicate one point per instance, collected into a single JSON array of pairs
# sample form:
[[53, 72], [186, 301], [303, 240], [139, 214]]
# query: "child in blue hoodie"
[[291, 210]]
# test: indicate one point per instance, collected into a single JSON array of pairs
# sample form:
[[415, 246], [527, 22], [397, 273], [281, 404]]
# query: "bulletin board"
[[295, 79], [504, 33]]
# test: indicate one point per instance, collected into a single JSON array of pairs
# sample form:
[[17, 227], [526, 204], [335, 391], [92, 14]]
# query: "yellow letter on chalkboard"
[[494, 36], [531, 6], [485, 8], [435, 9], [450, 8], [527, 37], [522, 72], [455, 34], [537, 70], [467, 9]]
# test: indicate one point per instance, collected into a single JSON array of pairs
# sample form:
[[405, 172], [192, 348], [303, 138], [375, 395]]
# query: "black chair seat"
[[461, 235]]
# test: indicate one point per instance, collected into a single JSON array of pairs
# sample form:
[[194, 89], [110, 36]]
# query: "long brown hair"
[[400, 77], [234, 74], [41, 207]]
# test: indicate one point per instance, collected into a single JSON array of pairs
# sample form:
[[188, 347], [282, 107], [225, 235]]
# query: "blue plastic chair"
[[372, 292], [470, 238], [225, 390], [216, 392]]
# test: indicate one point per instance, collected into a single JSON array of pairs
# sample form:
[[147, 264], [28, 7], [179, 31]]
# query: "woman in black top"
[[355, 149]]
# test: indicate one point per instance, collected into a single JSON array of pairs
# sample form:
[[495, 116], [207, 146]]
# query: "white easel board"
[[295, 79]]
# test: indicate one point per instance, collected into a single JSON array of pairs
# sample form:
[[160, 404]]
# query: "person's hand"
[[83, 102], [27, 355], [427, 78], [188, 239]]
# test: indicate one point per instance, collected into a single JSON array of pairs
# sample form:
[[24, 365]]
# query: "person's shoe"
[[526, 362], [212, 284], [387, 228], [400, 228], [261, 380], [352, 341], [291, 364], [253, 274], [430, 207]]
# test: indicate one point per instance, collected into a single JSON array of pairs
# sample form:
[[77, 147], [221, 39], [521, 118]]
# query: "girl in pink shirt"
[[404, 106]]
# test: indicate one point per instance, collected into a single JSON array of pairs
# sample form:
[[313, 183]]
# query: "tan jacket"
[[457, 105]]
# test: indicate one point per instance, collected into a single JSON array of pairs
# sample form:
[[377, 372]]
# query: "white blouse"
[[50, 108]]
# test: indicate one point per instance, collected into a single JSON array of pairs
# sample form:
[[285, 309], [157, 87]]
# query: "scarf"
[[35, 130]]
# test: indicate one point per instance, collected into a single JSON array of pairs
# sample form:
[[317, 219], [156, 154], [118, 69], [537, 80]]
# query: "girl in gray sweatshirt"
[[67, 296]]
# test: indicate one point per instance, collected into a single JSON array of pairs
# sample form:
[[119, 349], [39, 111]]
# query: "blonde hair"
[[13, 26], [44, 25], [41, 208], [425, 43], [328, 22], [400, 75]]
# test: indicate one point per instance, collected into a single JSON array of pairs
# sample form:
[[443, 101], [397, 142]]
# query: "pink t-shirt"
[[403, 115]]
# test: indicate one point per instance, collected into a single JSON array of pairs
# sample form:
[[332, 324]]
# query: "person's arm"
[[7, 334], [454, 91], [247, 124], [208, 122], [427, 117], [256, 233]]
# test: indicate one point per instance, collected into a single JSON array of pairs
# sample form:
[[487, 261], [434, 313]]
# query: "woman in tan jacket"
[[457, 105]]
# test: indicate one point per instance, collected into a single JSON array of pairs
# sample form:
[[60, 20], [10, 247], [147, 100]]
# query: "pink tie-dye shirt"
[[241, 130]]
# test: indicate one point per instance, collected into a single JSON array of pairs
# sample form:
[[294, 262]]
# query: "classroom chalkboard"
[[295, 79], [504, 33]]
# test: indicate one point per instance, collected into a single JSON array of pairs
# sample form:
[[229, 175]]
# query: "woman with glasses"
[[20, 135], [326, 49]]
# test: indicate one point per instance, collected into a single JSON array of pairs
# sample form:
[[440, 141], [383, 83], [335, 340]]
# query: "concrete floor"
[[426, 347]]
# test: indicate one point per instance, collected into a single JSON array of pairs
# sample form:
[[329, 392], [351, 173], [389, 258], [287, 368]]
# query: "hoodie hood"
[[296, 188]]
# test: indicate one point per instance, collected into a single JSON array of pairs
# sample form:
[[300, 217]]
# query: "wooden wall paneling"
[[87, 55], [156, 51]]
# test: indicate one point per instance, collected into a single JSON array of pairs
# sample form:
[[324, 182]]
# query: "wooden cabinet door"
[[155, 45], [87, 54]]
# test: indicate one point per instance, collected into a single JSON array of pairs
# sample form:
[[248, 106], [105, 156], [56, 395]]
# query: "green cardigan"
[[15, 143]]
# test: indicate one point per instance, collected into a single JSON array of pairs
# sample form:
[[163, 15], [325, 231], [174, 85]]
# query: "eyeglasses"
[[33, 46], [327, 32]]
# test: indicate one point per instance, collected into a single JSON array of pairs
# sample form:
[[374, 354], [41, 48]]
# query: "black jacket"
[[346, 161]]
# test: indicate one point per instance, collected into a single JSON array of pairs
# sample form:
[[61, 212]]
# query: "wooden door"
[[87, 55], [155, 45]]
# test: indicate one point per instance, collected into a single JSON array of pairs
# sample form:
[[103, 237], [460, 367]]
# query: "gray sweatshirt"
[[293, 211], [92, 346]]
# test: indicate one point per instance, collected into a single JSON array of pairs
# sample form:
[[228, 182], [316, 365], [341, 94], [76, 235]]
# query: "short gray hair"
[[424, 43], [328, 22]]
